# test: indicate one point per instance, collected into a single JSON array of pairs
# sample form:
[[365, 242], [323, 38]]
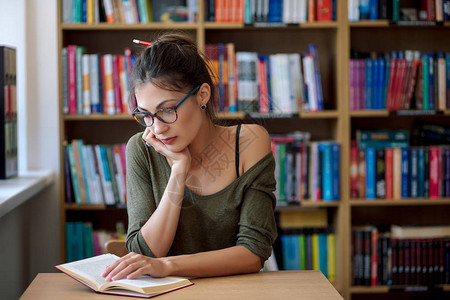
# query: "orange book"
[[397, 173], [311, 10], [389, 164]]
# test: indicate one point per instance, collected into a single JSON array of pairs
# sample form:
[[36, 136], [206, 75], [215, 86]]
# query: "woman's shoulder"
[[254, 145]]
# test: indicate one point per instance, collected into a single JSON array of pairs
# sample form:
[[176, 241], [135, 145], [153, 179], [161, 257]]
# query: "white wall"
[[30, 235]]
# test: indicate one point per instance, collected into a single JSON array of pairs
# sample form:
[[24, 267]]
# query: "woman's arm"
[[233, 260], [159, 231]]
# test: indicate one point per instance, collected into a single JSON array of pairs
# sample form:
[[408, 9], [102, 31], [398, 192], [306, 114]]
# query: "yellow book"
[[331, 257], [315, 251], [90, 11]]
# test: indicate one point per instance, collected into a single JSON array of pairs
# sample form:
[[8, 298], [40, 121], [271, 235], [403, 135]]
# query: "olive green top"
[[240, 214]]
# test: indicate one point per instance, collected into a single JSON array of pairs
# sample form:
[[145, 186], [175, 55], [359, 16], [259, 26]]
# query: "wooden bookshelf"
[[334, 41]]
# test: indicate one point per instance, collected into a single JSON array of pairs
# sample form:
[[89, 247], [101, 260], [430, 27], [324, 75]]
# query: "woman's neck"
[[205, 141]]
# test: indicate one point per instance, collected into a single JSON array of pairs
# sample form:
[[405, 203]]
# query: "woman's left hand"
[[134, 265]]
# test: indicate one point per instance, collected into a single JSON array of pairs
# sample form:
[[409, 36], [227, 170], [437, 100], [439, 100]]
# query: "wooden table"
[[265, 285]]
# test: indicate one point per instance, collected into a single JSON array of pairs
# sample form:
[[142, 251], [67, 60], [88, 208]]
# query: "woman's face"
[[180, 134]]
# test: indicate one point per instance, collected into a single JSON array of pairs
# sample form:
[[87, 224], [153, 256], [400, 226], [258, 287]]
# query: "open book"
[[88, 271]]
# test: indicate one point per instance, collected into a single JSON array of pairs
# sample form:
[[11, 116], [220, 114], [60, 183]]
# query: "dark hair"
[[173, 62]]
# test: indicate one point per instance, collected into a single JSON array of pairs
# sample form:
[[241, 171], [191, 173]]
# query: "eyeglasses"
[[166, 115]]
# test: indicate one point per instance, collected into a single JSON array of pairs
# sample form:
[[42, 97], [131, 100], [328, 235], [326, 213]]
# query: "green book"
[[425, 90], [302, 248]]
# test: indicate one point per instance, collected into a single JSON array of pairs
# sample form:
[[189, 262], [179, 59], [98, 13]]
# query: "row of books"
[[95, 83], [8, 113], [393, 170], [271, 11], [305, 170], [279, 83], [95, 174], [82, 241], [401, 80], [396, 10], [404, 256], [309, 249], [128, 11]]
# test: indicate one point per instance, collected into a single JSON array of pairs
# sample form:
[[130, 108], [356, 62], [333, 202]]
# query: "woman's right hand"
[[180, 159]]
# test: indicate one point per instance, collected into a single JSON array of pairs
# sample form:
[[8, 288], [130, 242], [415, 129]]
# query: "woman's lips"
[[168, 141]]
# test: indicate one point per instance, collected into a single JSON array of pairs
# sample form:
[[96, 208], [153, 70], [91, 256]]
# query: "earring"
[[203, 106]]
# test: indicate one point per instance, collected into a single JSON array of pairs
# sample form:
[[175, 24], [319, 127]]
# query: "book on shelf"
[[396, 10], [88, 272], [95, 173], [399, 80], [128, 11], [308, 249], [8, 113], [83, 241], [304, 170], [95, 83]]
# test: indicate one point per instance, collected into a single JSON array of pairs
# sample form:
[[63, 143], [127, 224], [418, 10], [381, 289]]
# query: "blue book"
[[84, 11], [368, 88], [269, 86], [336, 175], [312, 49], [88, 241], [327, 186], [375, 79], [70, 228], [387, 70], [275, 10], [373, 9], [79, 241], [290, 245], [248, 13], [405, 173], [323, 254], [364, 9], [425, 77], [370, 173], [421, 172], [414, 170], [431, 81], [446, 9]]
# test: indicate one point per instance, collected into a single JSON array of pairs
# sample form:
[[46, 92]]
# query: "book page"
[[92, 268]]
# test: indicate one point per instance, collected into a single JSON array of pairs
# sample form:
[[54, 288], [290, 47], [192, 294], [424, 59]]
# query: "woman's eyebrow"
[[160, 105]]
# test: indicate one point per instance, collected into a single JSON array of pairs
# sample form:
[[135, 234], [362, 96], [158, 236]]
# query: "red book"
[[263, 87], [434, 172], [406, 84], [354, 189], [323, 10], [374, 267], [389, 165], [72, 75], [398, 83]]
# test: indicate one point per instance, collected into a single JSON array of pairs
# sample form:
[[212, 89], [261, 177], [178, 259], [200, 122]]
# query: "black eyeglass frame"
[[137, 112]]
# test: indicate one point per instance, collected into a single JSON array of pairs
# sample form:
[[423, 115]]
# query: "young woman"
[[200, 196]]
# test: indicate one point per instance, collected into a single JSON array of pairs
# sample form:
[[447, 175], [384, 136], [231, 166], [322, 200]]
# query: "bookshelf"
[[337, 122]]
